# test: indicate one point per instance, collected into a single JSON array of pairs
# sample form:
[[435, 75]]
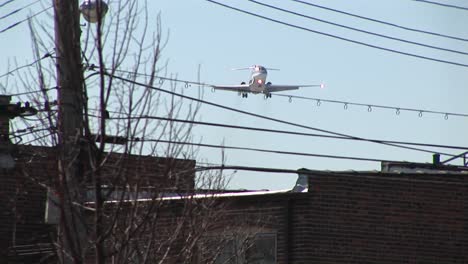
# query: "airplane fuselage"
[[257, 81]]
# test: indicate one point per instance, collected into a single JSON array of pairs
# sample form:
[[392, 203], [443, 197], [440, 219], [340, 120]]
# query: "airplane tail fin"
[[253, 67]]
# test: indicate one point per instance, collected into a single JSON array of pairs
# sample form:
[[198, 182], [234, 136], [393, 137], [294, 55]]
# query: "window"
[[260, 249], [263, 249]]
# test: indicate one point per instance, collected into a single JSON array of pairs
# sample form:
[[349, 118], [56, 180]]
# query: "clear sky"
[[218, 39]]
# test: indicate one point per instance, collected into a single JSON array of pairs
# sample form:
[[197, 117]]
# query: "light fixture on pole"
[[93, 9]]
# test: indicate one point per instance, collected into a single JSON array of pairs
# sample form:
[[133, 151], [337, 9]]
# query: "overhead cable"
[[442, 4], [250, 128], [31, 130], [303, 171], [359, 174], [26, 65], [380, 21], [359, 30], [19, 9], [261, 150], [187, 83], [319, 101], [340, 38], [6, 3], [258, 115], [24, 20], [370, 107], [40, 138], [32, 92]]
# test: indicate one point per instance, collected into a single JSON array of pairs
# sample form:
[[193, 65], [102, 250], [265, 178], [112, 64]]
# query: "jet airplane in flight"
[[258, 84]]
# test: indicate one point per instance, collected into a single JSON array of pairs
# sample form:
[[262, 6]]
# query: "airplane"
[[258, 84]]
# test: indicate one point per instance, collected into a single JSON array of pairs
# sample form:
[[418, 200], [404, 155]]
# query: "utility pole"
[[6, 161], [4, 120], [9, 111], [71, 231]]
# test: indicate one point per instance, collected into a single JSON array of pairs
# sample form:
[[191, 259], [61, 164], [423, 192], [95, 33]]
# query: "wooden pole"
[[69, 70]]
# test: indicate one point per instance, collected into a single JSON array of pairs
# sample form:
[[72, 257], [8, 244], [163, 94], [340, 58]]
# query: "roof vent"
[[302, 184]]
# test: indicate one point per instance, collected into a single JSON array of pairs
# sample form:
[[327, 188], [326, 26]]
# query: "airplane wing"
[[233, 88], [278, 88]]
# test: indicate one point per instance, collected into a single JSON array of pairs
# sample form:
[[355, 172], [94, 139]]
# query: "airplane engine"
[[268, 83]]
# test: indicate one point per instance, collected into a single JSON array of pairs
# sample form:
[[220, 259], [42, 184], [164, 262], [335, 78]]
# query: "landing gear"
[[267, 95], [243, 94]]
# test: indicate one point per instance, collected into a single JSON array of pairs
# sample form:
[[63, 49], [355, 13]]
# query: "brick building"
[[410, 215], [366, 217], [25, 234]]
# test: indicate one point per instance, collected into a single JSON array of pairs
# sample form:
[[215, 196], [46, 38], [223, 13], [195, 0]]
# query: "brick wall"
[[281, 214], [358, 217], [266, 213], [207, 218], [351, 217], [22, 201], [384, 218], [23, 191], [217, 220], [163, 173], [361, 217]]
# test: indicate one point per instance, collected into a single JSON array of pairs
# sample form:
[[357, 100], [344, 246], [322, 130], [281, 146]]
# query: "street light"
[[89, 9]]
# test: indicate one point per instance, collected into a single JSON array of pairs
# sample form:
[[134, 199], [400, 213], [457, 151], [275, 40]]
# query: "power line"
[[380, 21], [24, 20], [261, 150], [319, 101], [338, 37], [20, 133], [224, 125], [371, 106], [162, 78], [442, 4], [329, 173], [30, 130], [26, 65], [19, 9], [23, 130], [359, 30], [6, 3], [260, 116], [39, 138], [281, 152], [33, 92]]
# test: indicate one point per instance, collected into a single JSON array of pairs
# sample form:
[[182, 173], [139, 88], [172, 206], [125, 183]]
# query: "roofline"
[[205, 196]]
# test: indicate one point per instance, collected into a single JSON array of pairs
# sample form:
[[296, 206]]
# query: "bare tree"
[[123, 207]]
